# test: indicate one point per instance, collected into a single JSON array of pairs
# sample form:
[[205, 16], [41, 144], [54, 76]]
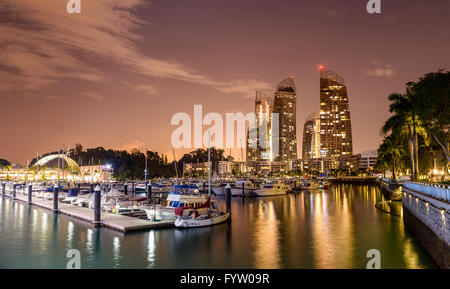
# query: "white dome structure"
[[72, 165]]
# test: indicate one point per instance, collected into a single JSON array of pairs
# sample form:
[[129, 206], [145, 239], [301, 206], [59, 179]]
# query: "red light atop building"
[[291, 77], [321, 67]]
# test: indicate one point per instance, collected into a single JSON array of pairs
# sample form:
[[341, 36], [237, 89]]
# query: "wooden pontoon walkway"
[[116, 222]]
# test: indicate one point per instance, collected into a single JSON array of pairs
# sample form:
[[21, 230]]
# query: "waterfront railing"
[[437, 191], [387, 181]]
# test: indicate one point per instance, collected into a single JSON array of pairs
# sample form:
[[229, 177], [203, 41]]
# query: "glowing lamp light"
[[321, 67], [291, 77]]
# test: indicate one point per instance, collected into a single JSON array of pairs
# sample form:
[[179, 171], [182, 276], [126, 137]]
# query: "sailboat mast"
[[145, 171], [209, 165], [37, 165], [175, 161]]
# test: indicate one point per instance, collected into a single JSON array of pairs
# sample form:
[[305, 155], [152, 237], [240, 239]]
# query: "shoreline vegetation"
[[416, 137]]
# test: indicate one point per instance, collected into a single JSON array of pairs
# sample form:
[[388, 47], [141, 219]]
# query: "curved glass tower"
[[335, 124], [285, 103]]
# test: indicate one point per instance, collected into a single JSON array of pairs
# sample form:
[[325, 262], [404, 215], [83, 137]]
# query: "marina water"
[[311, 229]]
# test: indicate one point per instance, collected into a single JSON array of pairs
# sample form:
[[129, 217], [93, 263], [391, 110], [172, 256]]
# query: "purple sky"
[[114, 75]]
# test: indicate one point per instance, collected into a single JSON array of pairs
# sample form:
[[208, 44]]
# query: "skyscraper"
[[311, 137], [261, 149], [285, 104], [335, 125]]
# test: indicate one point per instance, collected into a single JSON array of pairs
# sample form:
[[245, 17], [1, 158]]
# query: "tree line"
[[131, 165], [416, 136]]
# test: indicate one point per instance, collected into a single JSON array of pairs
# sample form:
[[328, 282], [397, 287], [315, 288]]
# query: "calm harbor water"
[[316, 229]]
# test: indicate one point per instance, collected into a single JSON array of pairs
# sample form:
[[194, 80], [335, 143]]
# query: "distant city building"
[[367, 159], [285, 104], [311, 137], [196, 169], [230, 168], [262, 157], [97, 173], [266, 168], [348, 162], [335, 125], [257, 148], [321, 164]]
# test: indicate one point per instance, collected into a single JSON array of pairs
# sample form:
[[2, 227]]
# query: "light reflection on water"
[[265, 235], [151, 249], [316, 229]]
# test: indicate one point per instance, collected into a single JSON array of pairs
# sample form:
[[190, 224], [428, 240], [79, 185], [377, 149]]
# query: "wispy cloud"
[[94, 96], [147, 89], [381, 70], [42, 45]]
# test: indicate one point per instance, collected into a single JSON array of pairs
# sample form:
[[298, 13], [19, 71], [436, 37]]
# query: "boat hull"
[[270, 192], [235, 192], [160, 214], [193, 223]]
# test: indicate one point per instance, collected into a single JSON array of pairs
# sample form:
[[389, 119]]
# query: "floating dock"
[[116, 222]]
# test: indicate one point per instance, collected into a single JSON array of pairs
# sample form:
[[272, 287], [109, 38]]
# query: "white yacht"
[[250, 188], [309, 185], [272, 189], [179, 196], [219, 190]]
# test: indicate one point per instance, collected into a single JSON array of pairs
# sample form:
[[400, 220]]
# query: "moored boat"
[[205, 215], [272, 189], [250, 188], [180, 196]]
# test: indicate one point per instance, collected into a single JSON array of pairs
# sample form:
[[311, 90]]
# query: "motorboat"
[[161, 187], [307, 185], [250, 188], [219, 190], [72, 196], [179, 196], [272, 189]]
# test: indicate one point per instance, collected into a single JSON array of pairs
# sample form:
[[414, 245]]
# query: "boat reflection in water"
[[309, 229]]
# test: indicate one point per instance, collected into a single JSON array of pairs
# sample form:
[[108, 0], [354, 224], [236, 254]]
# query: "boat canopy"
[[179, 210]]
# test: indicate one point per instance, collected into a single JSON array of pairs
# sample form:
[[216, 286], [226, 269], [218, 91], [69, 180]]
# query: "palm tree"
[[405, 121], [390, 151], [432, 102]]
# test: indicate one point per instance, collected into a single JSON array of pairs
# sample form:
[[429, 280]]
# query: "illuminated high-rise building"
[[259, 149], [285, 104], [311, 137], [335, 125]]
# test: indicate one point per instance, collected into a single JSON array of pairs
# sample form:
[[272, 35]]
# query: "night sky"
[[115, 74]]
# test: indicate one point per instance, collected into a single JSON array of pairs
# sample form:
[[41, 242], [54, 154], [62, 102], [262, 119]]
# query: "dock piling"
[[55, 199], [243, 189], [125, 189], [97, 197], [228, 198], [91, 188], [3, 189], [30, 193], [14, 191]]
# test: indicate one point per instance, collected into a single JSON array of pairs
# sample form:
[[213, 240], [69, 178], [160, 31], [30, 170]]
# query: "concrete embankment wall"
[[391, 191], [429, 220]]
